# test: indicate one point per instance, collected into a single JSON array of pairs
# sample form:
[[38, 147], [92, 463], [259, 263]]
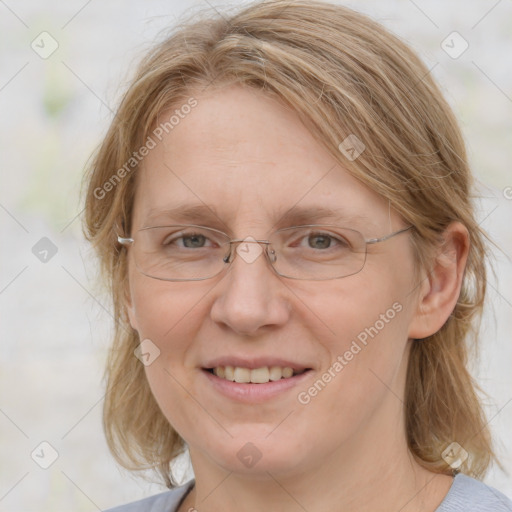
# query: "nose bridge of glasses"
[[246, 252], [249, 240]]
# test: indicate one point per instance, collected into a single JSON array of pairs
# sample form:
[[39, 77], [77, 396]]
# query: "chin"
[[255, 457]]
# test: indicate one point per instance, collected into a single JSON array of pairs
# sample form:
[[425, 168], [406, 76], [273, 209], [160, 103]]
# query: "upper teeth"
[[256, 376]]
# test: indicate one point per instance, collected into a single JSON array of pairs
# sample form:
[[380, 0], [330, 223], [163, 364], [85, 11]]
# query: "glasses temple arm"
[[387, 237]]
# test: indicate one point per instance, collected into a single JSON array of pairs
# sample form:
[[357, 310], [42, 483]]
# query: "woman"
[[282, 209]]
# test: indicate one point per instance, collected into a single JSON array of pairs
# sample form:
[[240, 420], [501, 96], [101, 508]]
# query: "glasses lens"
[[318, 252], [180, 252]]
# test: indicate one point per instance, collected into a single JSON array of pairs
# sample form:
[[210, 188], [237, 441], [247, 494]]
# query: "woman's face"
[[250, 160]]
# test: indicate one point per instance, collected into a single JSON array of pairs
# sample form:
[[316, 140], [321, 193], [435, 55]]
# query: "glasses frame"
[[128, 241]]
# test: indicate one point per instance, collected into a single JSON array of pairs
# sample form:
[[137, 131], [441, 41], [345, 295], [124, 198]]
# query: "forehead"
[[250, 159]]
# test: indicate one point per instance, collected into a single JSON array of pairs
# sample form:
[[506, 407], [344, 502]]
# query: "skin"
[[251, 159]]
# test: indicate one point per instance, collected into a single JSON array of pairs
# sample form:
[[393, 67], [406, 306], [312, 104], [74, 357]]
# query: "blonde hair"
[[343, 74]]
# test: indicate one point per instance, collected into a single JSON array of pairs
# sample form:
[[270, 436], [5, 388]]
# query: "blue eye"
[[322, 241], [190, 240], [194, 241]]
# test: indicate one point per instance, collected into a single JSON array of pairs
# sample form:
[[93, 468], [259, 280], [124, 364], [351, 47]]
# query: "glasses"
[[193, 253]]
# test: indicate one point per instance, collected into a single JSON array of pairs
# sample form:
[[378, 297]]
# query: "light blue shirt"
[[465, 495]]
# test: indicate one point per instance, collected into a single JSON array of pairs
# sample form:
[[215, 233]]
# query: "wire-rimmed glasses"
[[188, 252]]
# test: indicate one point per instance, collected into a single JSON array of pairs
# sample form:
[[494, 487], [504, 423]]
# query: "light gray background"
[[55, 324]]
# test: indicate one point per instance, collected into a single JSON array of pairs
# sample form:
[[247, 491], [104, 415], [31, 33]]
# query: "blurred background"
[[63, 67]]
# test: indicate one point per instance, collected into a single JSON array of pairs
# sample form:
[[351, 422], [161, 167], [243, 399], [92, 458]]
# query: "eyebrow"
[[200, 213]]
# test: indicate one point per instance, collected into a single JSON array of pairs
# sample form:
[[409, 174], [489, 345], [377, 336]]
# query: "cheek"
[[169, 314], [364, 368], [369, 342], [366, 319], [374, 305], [164, 311]]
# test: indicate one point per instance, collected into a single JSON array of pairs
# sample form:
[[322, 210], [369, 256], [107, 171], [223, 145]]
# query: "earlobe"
[[440, 289]]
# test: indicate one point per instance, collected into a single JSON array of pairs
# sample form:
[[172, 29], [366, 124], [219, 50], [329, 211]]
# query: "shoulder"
[[168, 501], [470, 495]]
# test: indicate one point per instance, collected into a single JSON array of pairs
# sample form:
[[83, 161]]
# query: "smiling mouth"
[[261, 375]]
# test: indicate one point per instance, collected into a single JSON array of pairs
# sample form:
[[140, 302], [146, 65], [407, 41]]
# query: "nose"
[[250, 296]]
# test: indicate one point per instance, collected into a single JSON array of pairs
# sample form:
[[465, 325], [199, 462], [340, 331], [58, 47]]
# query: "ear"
[[441, 286]]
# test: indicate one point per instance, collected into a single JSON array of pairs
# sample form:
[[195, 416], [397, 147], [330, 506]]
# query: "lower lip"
[[254, 393]]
